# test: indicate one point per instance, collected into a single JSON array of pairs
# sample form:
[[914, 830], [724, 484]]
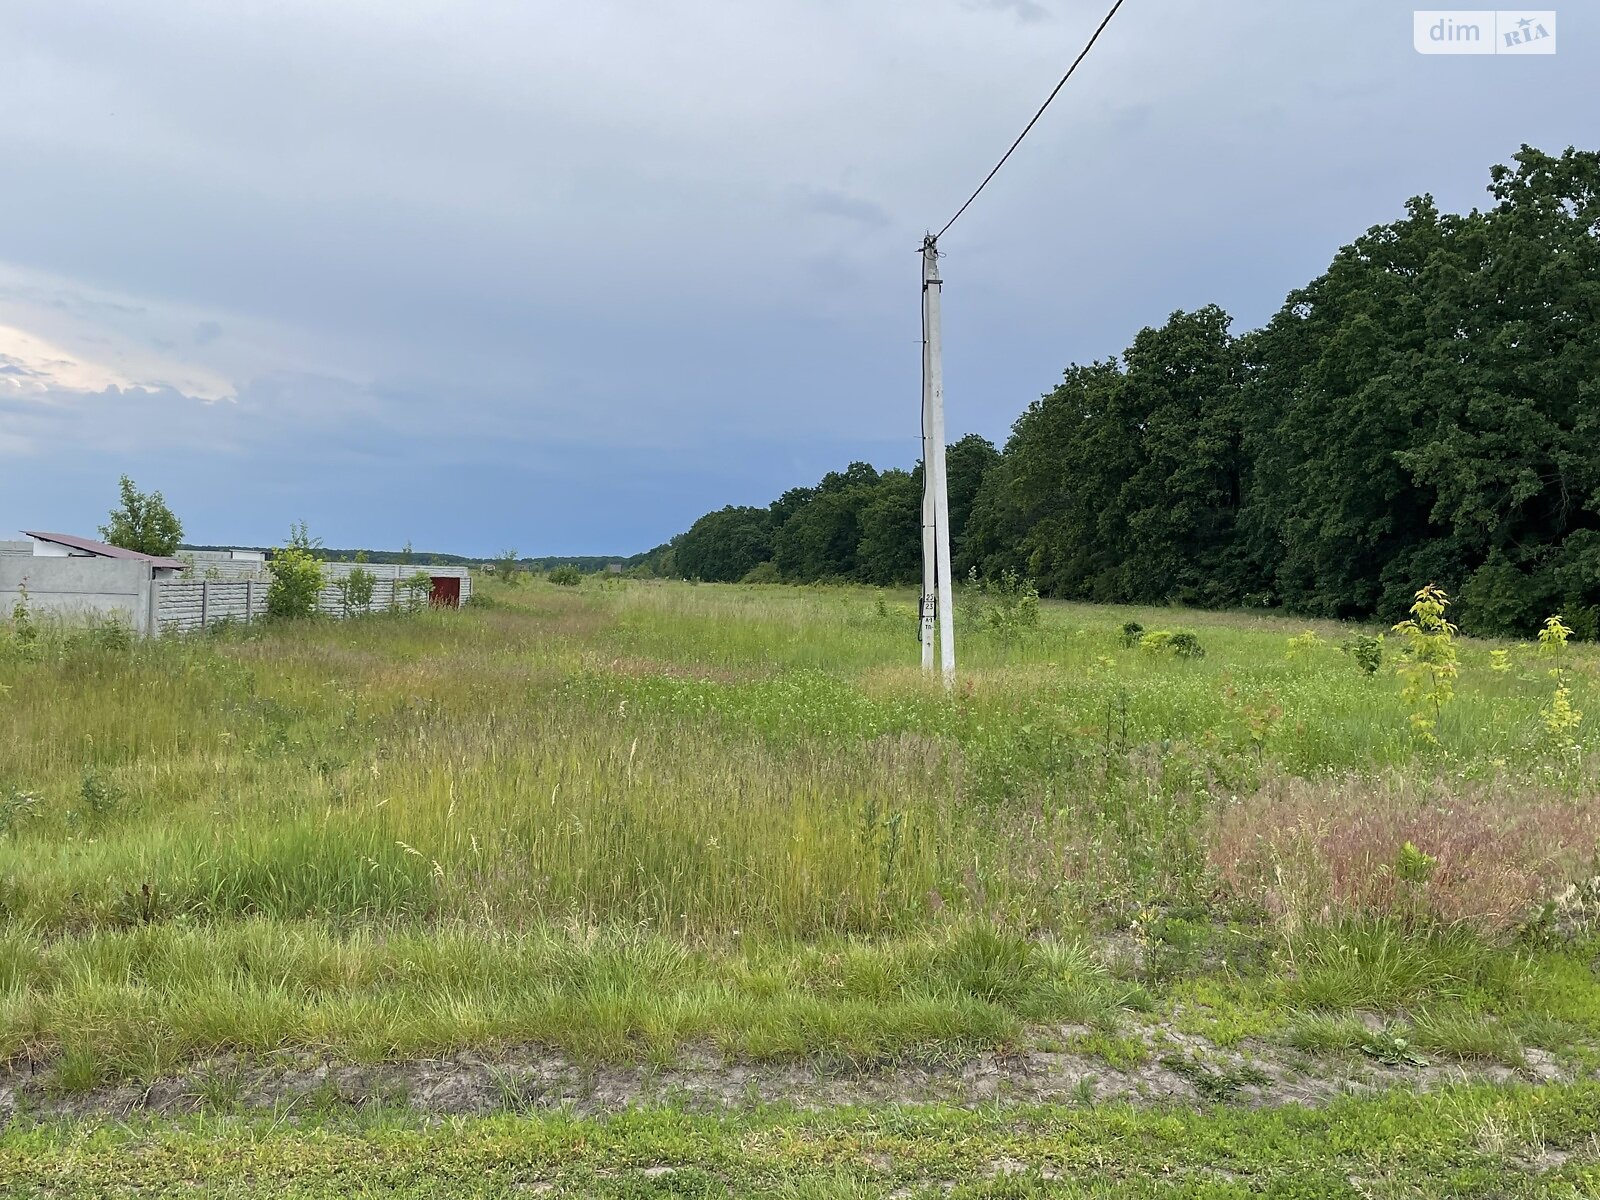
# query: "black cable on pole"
[[1082, 54]]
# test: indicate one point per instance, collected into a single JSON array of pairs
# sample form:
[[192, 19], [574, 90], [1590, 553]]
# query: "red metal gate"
[[446, 591]]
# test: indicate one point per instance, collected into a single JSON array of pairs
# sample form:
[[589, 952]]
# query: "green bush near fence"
[[296, 578]]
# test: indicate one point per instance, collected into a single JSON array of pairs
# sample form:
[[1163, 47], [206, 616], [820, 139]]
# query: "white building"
[[66, 545], [75, 578]]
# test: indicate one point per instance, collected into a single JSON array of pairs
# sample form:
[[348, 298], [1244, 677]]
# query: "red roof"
[[101, 550]]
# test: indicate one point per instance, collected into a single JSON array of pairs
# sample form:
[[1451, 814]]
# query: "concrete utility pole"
[[937, 594]]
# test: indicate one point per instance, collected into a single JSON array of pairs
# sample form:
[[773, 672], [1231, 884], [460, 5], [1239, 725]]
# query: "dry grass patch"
[[1316, 850]]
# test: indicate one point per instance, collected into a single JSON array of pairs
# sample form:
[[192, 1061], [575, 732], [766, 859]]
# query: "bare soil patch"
[[1184, 1069]]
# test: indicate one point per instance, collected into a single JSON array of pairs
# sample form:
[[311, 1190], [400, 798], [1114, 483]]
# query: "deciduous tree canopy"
[[1425, 411], [142, 522]]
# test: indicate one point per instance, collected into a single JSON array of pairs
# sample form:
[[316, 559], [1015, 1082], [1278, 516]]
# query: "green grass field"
[[637, 825]]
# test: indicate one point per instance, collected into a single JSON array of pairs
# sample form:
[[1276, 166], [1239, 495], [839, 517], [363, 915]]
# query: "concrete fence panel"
[[83, 588], [186, 605], [79, 588], [183, 605]]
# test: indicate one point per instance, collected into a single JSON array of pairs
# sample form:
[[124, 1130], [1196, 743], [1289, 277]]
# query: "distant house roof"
[[101, 550]]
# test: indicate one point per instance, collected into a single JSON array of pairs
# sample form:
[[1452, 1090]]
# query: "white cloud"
[[31, 364]]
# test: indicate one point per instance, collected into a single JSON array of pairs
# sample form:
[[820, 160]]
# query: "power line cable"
[[1082, 54]]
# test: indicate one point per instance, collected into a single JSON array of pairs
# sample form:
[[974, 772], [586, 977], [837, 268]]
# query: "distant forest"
[[1425, 411], [587, 563]]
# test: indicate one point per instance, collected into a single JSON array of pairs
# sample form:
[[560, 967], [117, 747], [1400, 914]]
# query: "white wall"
[[78, 587]]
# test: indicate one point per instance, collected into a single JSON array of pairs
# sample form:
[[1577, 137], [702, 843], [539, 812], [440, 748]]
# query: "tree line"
[[1427, 410]]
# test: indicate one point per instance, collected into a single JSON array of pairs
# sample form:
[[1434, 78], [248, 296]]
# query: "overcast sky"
[[563, 276]]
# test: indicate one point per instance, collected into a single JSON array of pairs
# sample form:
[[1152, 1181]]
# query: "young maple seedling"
[[1561, 719], [1428, 666]]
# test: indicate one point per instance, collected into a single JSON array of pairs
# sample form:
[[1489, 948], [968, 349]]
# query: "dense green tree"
[[890, 549], [991, 541], [660, 562], [791, 502], [967, 461], [1068, 456], [820, 540], [143, 522], [1513, 362], [1424, 411], [1178, 406], [820, 536], [1125, 483], [854, 478], [722, 546], [1336, 396]]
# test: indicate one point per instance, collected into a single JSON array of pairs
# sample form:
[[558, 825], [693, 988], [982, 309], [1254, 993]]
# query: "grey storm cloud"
[[564, 276]]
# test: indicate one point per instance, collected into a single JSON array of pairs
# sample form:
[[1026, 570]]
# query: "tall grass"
[[711, 768], [139, 1002]]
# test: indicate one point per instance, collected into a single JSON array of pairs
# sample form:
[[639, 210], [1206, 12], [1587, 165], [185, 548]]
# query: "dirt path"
[[1181, 1069]]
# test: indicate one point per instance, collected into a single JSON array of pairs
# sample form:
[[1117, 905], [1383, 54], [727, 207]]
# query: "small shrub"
[[506, 567], [24, 630], [1413, 866], [762, 572], [1187, 645], [566, 575], [99, 795], [1181, 644], [1366, 650], [144, 906], [108, 634], [1559, 717], [1132, 631], [1156, 641], [1007, 606], [1259, 717], [17, 808], [416, 588], [1305, 643], [296, 578], [355, 591]]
